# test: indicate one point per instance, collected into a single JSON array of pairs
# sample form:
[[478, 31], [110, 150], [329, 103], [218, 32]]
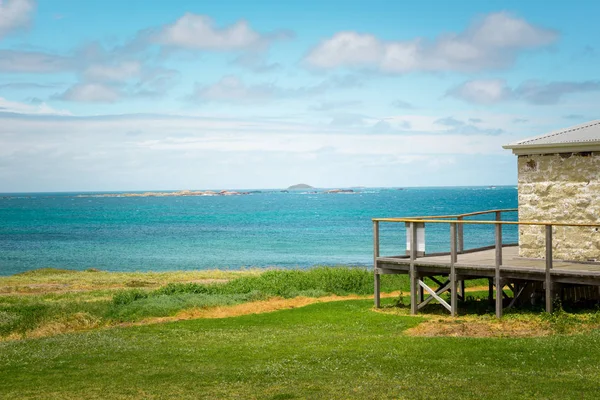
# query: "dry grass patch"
[[46, 281], [516, 325], [83, 321], [254, 307], [475, 326], [77, 322]]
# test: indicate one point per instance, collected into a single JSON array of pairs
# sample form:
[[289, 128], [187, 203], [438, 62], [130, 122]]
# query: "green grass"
[[22, 314], [334, 350]]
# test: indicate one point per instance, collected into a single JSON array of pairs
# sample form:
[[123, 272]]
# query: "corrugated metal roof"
[[579, 134]]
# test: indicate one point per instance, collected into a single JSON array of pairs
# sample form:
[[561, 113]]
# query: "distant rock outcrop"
[[181, 193], [339, 191], [300, 186]]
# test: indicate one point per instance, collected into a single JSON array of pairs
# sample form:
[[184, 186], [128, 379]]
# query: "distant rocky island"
[[185, 193], [300, 186], [339, 191], [180, 193]]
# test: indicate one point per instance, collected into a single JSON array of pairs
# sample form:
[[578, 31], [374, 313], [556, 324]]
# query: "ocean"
[[268, 228]]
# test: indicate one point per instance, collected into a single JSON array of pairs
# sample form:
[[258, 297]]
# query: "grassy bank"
[[331, 350], [221, 336], [31, 305]]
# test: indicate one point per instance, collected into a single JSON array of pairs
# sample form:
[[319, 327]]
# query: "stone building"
[[559, 181]]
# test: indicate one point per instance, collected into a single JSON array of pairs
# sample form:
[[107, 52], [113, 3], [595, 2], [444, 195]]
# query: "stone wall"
[[560, 188]]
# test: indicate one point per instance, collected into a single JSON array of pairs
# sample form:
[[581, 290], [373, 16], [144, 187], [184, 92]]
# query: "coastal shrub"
[[161, 305], [124, 297], [283, 283], [183, 288], [21, 318]]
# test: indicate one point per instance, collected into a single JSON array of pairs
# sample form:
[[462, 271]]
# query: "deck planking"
[[482, 263]]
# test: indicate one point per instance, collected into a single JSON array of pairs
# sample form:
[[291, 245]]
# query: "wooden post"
[[453, 258], [413, 268], [461, 236], [549, 294], [497, 274], [499, 233], [376, 276], [491, 290]]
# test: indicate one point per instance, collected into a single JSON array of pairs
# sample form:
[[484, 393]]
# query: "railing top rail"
[[475, 222], [465, 214], [489, 212]]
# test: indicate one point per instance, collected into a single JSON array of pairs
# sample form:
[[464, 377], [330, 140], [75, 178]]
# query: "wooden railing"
[[460, 230], [458, 221]]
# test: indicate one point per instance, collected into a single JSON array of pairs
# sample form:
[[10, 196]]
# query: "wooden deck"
[[521, 276], [481, 264], [500, 264]]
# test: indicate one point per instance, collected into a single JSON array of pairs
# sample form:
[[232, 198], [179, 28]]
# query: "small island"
[[181, 193], [300, 186]]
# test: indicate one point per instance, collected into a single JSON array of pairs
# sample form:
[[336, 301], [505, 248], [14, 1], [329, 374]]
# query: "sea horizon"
[[247, 189], [266, 228]]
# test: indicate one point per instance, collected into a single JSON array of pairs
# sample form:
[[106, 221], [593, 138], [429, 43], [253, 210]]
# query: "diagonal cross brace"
[[517, 295], [435, 295]]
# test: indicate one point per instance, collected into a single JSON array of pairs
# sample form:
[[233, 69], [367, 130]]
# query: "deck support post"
[[413, 269], [376, 276], [453, 259], [461, 236], [549, 294], [499, 296]]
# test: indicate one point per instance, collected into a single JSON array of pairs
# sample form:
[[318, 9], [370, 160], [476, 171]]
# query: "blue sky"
[[139, 95]]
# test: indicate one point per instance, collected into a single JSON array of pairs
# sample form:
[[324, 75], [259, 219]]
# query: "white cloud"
[[231, 88], [15, 14], [91, 93], [33, 62], [120, 152], [119, 72], [490, 43], [403, 104], [15, 107], [347, 48], [537, 92], [197, 32], [492, 91], [334, 105], [482, 91]]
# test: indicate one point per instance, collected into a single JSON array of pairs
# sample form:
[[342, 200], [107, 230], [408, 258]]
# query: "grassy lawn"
[[342, 349], [328, 350]]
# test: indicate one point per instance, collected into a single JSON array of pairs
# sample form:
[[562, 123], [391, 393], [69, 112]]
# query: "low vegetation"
[[312, 334], [53, 280], [97, 299], [334, 350]]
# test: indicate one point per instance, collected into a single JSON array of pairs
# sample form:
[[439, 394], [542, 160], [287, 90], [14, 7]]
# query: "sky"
[[171, 95]]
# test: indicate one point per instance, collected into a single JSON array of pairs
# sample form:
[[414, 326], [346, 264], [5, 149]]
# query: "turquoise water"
[[269, 228]]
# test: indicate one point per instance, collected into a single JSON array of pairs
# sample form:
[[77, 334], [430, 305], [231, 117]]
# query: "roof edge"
[[553, 148], [524, 142]]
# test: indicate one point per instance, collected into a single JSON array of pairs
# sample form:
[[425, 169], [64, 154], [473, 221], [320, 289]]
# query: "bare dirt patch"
[[480, 327]]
